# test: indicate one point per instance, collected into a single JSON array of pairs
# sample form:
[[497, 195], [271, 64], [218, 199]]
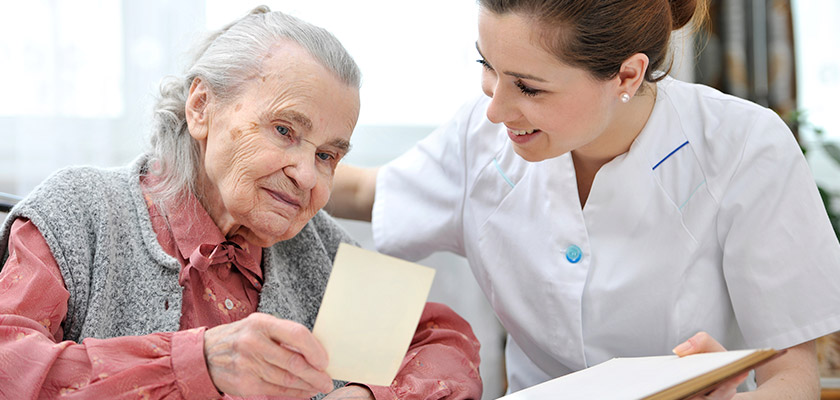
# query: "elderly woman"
[[196, 271]]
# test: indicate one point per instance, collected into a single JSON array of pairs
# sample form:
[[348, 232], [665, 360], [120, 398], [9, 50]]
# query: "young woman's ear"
[[196, 109], [631, 75]]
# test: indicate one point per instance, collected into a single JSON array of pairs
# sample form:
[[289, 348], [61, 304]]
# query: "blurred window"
[[417, 58], [62, 58], [817, 41]]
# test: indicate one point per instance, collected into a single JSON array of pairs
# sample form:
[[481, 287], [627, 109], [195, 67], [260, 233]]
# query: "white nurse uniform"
[[711, 221]]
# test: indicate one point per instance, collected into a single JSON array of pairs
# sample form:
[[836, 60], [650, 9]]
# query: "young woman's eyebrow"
[[513, 74]]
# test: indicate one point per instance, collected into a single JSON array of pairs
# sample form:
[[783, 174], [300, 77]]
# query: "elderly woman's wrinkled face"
[[270, 154]]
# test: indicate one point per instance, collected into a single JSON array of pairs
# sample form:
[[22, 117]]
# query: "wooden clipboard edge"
[[701, 384]]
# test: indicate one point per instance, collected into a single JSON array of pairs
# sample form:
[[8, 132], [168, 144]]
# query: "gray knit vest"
[[120, 280]]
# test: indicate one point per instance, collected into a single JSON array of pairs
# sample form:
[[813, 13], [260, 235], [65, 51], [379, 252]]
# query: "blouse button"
[[228, 304], [573, 254]]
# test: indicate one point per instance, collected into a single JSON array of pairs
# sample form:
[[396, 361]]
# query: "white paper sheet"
[[628, 378], [369, 313]]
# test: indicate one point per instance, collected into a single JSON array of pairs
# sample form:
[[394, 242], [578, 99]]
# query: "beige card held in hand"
[[369, 313]]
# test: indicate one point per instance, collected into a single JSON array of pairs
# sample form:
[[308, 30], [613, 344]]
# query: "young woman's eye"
[[484, 64], [527, 90], [282, 130]]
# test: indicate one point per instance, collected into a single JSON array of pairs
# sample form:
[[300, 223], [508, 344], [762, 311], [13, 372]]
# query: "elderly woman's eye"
[[325, 156], [282, 130]]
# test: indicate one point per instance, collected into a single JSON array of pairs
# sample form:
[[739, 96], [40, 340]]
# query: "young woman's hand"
[[702, 342]]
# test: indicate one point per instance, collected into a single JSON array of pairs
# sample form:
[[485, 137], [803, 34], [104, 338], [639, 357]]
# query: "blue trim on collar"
[[669, 155], [502, 173]]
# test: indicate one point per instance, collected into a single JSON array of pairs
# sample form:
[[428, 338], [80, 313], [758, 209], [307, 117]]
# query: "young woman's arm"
[[353, 192], [793, 375]]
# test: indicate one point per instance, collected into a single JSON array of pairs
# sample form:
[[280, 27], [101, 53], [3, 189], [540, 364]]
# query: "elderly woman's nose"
[[302, 170]]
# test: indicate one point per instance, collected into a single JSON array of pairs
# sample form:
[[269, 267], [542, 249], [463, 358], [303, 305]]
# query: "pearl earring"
[[625, 97]]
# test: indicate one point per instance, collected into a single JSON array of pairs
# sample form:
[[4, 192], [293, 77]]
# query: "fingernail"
[[682, 348]]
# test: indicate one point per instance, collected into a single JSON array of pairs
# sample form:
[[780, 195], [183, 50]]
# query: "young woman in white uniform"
[[609, 212]]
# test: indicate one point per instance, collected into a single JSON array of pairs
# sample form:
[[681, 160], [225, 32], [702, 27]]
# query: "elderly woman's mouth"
[[284, 198]]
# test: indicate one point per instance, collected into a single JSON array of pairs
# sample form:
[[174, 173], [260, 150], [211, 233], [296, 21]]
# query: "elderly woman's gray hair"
[[224, 60]]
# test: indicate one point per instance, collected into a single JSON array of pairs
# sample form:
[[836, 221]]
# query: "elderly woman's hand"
[[702, 342], [265, 355]]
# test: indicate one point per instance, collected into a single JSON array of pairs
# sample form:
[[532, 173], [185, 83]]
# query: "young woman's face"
[[548, 108]]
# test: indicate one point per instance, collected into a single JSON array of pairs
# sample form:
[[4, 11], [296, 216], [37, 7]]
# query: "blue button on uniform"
[[573, 254]]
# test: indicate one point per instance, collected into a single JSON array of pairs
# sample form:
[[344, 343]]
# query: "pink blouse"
[[221, 279]]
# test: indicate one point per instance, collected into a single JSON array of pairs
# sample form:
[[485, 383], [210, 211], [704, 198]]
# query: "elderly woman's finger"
[[296, 337], [285, 382], [701, 342], [247, 357], [290, 369]]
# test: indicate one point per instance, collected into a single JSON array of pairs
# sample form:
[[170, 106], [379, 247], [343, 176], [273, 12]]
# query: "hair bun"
[[262, 9]]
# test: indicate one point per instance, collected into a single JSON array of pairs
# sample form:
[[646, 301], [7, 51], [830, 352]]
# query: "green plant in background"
[[798, 120], [832, 216]]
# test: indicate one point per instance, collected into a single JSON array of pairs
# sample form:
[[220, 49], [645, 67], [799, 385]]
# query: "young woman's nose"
[[502, 106]]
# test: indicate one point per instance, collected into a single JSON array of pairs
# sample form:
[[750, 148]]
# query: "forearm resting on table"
[[353, 192], [794, 375]]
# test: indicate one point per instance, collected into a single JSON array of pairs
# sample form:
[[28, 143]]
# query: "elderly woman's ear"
[[196, 109]]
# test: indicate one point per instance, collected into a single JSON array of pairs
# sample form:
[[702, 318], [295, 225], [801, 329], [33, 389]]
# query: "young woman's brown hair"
[[598, 35]]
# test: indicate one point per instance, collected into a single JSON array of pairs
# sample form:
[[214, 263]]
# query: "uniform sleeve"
[[419, 199], [781, 258], [441, 363], [36, 362]]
